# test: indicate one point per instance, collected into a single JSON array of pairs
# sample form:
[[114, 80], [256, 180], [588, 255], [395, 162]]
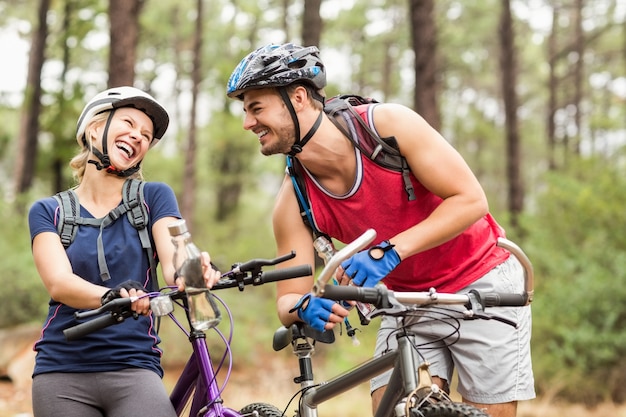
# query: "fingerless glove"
[[114, 293], [314, 311], [368, 267]]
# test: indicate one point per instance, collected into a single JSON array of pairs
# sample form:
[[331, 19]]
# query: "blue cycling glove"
[[314, 311], [368, 267]]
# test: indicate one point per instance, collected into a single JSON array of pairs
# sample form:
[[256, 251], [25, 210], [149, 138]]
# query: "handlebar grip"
[[350, 292], [286, 273], [505, 300], [83, 329]]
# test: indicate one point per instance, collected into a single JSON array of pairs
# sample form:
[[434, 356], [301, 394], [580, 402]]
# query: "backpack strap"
[[66, 225], [138, 216], [384, 151], [293, 170], [132, 205], [69, 217]]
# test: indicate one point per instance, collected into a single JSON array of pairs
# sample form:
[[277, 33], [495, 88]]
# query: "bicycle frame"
[[198, 380], [403, 382]]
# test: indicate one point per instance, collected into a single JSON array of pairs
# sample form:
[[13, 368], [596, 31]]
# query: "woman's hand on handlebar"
[[209, 272], [129, 289], [142, 305]]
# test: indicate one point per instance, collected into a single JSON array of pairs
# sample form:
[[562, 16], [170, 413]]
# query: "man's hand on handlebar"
[[210, 273], [368, 267], [319, 313]]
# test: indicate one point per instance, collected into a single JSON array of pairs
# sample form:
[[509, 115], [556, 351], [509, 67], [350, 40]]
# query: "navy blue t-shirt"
[[133, 343]]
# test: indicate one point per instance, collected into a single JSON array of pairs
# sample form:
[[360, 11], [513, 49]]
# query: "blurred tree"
[[29, 122], [424, 42], [553, 84], [124, 37], [311, 23], [508, 68], [190, 165]]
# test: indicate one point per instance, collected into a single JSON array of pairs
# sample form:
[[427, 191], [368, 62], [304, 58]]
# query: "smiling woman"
[[106, 257]]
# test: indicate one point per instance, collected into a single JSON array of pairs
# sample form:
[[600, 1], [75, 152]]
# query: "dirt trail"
[[272, 383]]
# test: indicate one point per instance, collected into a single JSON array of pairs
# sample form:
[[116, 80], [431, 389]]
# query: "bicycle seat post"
[[304, 348]]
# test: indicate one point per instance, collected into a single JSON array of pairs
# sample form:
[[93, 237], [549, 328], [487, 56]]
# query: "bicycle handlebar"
[[229, 281], [379, 297], [379, 294], [118, 309], [248, 273]]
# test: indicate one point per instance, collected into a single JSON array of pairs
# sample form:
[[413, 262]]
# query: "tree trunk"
[[189, 178], [124, 35], [579, 47], [286, 29], [29, 121], [508, 67], [552, 90], [58, 157], [424, 41], [311, 23]]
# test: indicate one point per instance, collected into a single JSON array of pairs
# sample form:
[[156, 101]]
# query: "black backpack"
[[132, 205], [383, 151]]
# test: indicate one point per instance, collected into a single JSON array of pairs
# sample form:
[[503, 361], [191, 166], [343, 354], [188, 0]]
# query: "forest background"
[[532, 93]]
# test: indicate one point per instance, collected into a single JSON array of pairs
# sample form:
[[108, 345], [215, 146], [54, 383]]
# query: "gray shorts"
[[129, 392], [492, 359]]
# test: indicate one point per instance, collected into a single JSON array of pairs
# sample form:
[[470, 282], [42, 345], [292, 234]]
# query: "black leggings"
[[129, 392]]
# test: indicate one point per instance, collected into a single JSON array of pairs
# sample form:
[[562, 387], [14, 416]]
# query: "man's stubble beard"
[[285, 139]]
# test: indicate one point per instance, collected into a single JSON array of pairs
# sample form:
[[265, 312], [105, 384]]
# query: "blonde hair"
[[79, 162]]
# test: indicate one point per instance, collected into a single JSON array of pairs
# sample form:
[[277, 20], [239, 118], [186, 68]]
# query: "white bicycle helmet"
[[117, 97]]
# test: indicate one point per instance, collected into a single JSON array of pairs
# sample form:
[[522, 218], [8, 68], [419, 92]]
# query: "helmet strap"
[[105, 161], [311, 132], [296, 148]]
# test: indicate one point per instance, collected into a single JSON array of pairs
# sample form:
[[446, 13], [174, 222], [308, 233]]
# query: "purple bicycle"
[[197, 392]]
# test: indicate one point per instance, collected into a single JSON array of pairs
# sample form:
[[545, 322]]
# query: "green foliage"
[[23, 297], [574, 219], [578, 248]]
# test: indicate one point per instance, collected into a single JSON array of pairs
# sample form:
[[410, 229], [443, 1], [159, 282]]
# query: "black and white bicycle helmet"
[[115, 98], [277, 66]]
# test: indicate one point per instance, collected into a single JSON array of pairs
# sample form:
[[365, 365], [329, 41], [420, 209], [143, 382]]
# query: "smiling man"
[[442, 236]]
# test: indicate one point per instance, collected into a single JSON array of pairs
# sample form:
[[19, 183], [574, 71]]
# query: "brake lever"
[[116, 307], [476, 310], [469, 315]]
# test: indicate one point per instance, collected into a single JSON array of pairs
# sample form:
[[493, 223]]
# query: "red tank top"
[[378, 200]]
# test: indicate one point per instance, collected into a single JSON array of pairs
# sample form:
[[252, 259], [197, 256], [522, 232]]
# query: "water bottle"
[[203, 311]]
